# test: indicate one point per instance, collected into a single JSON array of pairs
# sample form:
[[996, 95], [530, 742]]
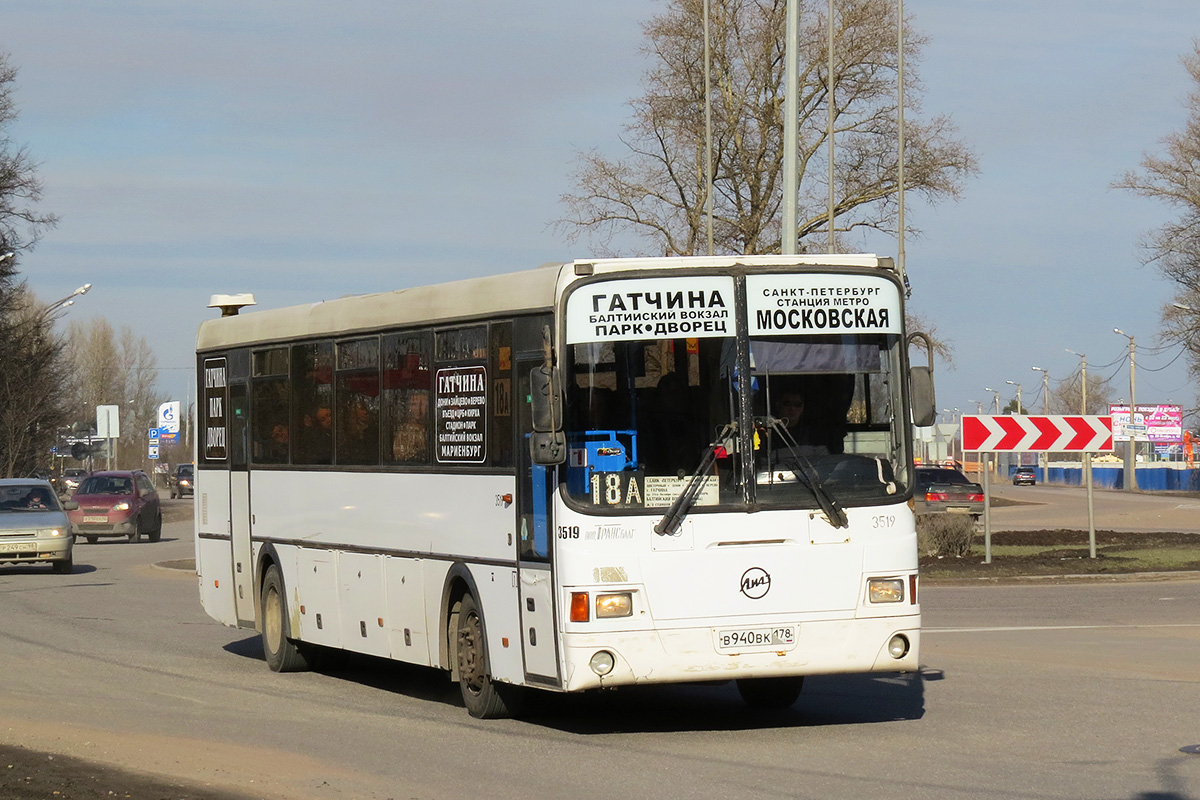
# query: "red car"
[[117, 503]]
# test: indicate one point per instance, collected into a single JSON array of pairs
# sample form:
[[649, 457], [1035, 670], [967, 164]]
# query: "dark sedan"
[[1025, 476]]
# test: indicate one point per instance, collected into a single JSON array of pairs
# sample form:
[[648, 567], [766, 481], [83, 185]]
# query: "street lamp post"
[[996, 395], [1082, 380], [1020, 405], [1131, 451], [1086, 457], [1044, 458], [1020, 410], [69, 300]]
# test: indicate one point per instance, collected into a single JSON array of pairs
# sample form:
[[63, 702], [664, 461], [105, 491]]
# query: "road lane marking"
[[1006, 629]]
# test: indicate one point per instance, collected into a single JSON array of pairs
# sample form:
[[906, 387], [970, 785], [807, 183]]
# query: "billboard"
[[168, 417], [1161, 424]]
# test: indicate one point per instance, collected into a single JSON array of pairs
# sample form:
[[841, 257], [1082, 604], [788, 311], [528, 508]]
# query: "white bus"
[[573, 477]]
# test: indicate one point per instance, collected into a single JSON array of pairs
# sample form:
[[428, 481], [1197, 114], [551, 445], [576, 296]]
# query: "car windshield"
[[928, 476], [27, 497], [185, 471], [106, 484]]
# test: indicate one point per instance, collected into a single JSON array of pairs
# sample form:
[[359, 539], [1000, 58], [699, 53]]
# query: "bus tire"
[[483, 697], [774, 693], [281, 653]]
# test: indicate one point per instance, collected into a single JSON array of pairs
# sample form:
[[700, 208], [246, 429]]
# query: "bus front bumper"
[[681, 655]]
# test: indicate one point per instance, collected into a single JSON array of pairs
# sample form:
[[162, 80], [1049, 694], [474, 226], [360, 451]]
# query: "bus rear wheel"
[[770, 692], [282, 654], [483, 697]]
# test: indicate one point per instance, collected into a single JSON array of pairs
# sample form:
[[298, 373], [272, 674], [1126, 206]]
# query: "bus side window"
[[405, 392], [312, 393]]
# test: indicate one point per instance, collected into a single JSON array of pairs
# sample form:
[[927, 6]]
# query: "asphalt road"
[[1048, 507], [1080, 691]]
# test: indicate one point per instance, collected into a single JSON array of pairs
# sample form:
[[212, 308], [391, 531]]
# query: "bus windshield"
[[650, 418], [829, 407]]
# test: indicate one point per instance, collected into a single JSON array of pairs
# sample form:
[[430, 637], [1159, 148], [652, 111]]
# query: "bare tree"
[[1066, 397], [1174, 178], [115, 370], [20, 188], [31, 372], [659, 191], [32, 382]]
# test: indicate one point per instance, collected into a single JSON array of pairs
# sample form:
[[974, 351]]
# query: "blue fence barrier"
[[1149, 478]]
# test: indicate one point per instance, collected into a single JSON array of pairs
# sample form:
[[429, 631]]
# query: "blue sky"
[[304, 150]]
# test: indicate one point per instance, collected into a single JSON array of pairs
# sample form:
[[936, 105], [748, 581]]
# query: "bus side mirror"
[[545, 399], [547, 443], [920, 387], [547, 448], [920, 384]]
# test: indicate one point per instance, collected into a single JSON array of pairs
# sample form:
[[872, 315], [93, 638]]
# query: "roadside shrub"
[[945, 534]]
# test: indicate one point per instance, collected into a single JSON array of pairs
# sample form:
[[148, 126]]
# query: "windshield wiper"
[[807, 475], [669, 524]]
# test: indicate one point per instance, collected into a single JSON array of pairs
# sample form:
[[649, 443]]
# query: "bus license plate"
[[101, 518], [741, 640]]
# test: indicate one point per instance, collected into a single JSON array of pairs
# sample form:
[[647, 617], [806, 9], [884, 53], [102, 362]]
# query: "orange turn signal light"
[[579, 607]]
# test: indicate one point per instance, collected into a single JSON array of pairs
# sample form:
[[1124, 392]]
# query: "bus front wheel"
[[770, 692], [483, 697], [282, 654]]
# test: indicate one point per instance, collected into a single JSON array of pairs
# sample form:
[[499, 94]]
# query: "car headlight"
[[885, 590], [122, 506], [47, 532]]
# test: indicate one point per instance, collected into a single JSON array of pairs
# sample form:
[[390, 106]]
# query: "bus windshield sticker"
[[661, 490], [651, 308], [822, 304], [216, 398], [462, 415]]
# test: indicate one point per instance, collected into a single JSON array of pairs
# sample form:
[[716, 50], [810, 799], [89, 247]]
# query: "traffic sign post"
[[1079, 433]]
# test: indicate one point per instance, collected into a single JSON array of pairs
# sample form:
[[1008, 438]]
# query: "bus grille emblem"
[[756, 582]]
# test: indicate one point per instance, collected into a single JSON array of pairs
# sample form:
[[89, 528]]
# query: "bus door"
[[239, 506], [535, 488]]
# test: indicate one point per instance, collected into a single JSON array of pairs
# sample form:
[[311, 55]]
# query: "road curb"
[[177, 565], [1112, 577]]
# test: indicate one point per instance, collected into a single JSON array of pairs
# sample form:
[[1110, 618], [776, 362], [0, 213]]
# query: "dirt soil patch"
[[1065, 554], [30, 775]]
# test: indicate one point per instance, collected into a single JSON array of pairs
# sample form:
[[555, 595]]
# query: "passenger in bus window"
[[316, 438], [409, 439], [278, 446]]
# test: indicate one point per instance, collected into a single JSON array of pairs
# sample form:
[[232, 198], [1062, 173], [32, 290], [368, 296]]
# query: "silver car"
[[34, 525]]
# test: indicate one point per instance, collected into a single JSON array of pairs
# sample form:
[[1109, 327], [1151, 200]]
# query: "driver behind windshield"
[[812, 412], [37, 499]]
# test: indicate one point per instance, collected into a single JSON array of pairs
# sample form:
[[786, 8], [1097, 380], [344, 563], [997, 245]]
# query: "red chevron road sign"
[[995, 434]]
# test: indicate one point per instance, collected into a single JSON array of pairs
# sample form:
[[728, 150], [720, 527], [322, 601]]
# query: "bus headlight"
[[602, 663], [898, 646], [885, 590], [614, 605]]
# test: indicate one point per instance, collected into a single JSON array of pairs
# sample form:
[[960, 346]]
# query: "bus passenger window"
[[405, 398], [312, 391], [358, 402]]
